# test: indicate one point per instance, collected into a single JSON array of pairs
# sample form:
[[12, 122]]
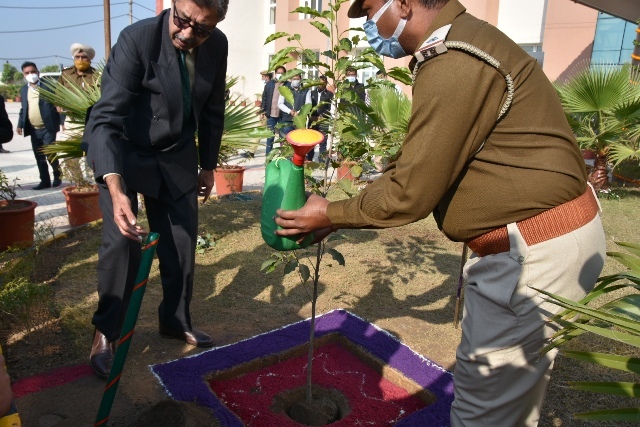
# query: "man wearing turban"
[[82, 73]]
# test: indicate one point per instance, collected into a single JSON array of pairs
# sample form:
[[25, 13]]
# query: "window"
[[613, 42], [310, 72], [272, 12], [313, 4], [535, 50]]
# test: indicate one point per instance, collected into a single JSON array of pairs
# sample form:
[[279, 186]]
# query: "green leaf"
[[286, 92], [622, 363], [308, 11], [329, 54], [626, 389], [305, 273], [290, 266], [275, 36], [618, 414], [336, 256], [345, 44], [321, 27], [281, 57], [401, 74], [268, 264], [337, 4]]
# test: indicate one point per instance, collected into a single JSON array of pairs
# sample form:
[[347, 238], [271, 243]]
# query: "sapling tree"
[[332, 63]]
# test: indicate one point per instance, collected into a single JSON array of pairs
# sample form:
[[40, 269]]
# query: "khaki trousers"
[[500, 377]]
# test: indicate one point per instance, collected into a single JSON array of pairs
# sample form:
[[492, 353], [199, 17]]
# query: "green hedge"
[[9, 91]]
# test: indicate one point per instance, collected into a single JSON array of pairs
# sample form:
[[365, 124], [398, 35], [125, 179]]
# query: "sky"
[[25, 33]]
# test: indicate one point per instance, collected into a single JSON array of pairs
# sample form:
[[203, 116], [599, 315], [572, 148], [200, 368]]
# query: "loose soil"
[[402, 279]]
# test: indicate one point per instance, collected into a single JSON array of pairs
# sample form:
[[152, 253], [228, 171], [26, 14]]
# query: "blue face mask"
[[387, 47]]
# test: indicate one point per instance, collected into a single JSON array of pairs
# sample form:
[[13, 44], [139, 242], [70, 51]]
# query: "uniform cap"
[[355, 11]]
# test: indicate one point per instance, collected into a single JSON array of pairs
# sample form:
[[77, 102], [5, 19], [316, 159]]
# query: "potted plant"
[[81, 196], [16, 216], [258, 101], [242, 131], [602, 107]]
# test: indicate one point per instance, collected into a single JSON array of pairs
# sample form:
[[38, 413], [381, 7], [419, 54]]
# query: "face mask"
[[81, 65], [295, 83], [351, 79], [278, 75], [32, 78], [387, 47]]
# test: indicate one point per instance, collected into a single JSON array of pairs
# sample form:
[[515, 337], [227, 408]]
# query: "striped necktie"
[[186, 86]]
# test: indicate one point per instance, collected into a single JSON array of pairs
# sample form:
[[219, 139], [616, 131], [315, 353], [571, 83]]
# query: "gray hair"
[[220, 6]]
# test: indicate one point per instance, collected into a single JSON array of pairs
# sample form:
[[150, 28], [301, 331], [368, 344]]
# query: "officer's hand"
[[311, 217], [122, 214], [205, 183], [19, 131]]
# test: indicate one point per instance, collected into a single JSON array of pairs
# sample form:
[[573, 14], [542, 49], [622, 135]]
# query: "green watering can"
[[284, 189]]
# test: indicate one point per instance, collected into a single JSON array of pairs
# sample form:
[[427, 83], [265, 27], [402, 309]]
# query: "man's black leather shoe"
[[195, 337], [102, 352], [57, 182], [41, 186]]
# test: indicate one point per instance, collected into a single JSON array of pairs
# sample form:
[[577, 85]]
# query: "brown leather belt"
[[547, 225]]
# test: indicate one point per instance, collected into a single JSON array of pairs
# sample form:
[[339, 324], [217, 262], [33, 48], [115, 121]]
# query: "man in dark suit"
[[269, 105], [165, 78], [321, 100], [39, 119], [6, 128]]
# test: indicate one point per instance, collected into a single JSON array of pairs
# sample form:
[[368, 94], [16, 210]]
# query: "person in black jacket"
[[6, 129], [321, 97], [40, 120], [269, 105], [140, 143], [300, 97]]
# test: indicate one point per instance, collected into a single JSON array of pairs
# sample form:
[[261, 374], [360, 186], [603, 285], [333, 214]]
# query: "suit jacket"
[[6, 128], [50, 115], [136, 128], [267, 96]]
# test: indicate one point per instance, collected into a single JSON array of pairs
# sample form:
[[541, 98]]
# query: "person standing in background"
[[6, 128], [40, 120], [269, 105], [82, 73], [321, 97]]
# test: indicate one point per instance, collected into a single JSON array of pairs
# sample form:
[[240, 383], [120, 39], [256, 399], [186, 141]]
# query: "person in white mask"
[[40, 120], [269, 104], [490, 154]]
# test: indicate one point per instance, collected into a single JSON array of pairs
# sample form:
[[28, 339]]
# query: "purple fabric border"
[[184, 378]]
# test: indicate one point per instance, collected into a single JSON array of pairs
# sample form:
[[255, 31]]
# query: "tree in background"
[[9, 73], [50, 68]]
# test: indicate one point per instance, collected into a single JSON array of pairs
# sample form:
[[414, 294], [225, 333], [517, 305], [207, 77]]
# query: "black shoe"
[[41, 186], [195, 337], [57, 182], [102, 352], [2, 150]]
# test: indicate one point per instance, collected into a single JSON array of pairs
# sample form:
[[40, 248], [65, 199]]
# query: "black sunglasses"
[[183, 23]]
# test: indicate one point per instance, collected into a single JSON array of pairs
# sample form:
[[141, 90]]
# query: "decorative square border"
[[185, 379]]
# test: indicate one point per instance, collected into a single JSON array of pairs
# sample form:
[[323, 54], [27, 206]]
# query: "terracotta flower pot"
[[82, 206], [16, 224], [344, 171], [228, 179]]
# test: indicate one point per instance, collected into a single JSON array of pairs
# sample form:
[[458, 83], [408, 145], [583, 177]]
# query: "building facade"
[[563, 36]]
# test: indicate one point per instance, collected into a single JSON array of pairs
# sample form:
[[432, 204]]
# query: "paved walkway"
[[51, 211]]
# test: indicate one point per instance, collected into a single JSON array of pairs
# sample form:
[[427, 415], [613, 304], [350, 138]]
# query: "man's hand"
[[122, 214], [19, 131], [5, 389], [311, 217], [205, 183]]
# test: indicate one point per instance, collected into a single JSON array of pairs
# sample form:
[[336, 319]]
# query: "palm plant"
[[602, 104], [617, 320], [242, 127]]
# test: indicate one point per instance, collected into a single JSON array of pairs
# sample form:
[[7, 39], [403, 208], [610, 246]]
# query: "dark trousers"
[[271, 124], [119, 258], [322, 147], [40, 138]]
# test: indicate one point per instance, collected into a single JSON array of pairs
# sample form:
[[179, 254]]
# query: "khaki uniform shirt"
[[530, 161], [71, 74]]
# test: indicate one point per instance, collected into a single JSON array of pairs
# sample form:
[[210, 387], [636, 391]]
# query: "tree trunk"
[[598, 176]]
